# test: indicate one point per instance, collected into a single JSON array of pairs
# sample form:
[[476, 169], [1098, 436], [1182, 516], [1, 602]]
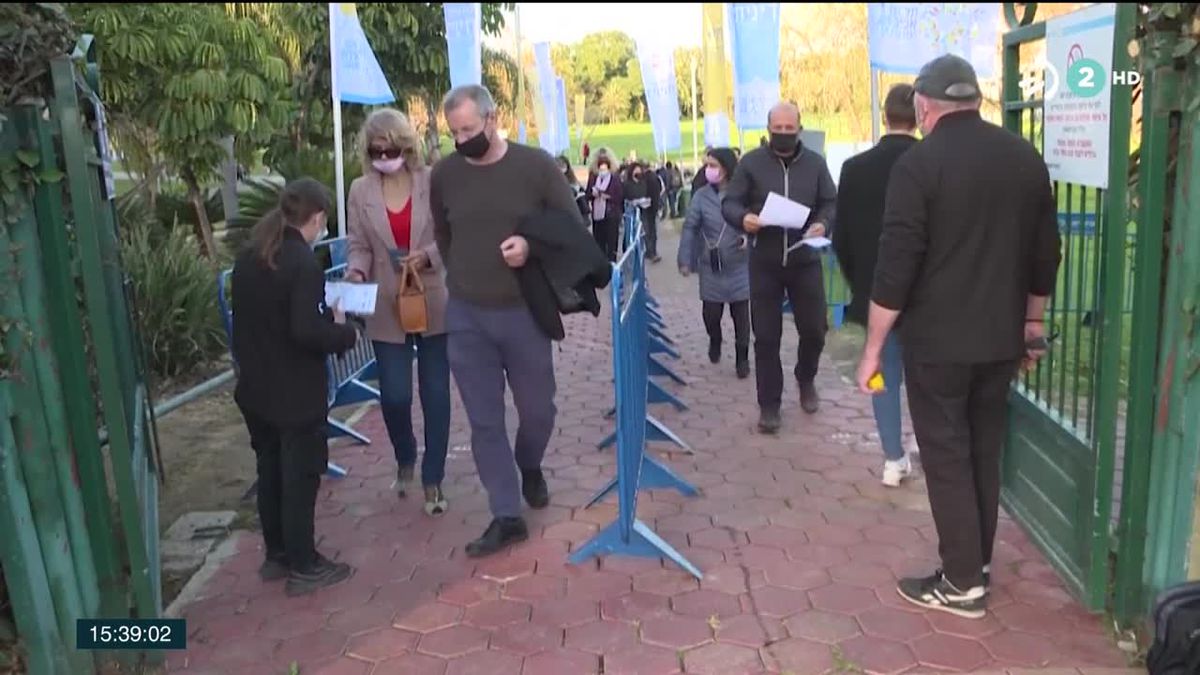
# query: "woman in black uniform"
[[282, 332]]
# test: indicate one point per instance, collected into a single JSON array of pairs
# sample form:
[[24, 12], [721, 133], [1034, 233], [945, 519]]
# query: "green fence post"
[[1112, 280], [29, 260], [1160, 99], [66, 329], [32, 449], [118, 411], [1176, 434], [21, 557]]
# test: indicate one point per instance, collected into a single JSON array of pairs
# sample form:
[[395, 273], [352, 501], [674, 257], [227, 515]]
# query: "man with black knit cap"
[[968, 258]]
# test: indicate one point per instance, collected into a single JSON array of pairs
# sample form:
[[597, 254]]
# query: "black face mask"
[[475, 146], [784, 144]]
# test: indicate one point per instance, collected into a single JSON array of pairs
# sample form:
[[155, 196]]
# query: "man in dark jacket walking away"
[[479, 196], [781, 262], [968, 258], [861, 192]]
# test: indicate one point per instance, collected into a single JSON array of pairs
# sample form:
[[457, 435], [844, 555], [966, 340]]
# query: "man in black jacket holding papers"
[[781, 260]]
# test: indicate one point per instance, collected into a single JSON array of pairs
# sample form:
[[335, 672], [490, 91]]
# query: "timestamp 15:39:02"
[[139, 634]]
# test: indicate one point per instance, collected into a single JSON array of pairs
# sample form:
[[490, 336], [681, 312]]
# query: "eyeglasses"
[[385, 153]]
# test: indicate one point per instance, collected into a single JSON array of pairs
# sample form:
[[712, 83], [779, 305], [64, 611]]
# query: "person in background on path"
[[479, 196], [862, 188], [607, 204], [780, 262], [698, 180], [587, 152], [564, 165], [721, 255], [968, 258], [282, 333], [674, 181], [652, 189], [390, 225]]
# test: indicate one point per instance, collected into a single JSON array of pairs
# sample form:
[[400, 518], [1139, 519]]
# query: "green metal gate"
[[78, 451], [1060, 460]]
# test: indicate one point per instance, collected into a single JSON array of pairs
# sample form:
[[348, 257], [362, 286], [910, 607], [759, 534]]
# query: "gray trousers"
[[485, 346]]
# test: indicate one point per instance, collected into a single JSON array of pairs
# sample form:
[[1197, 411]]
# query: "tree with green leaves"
[[179, 78], [600, 59]]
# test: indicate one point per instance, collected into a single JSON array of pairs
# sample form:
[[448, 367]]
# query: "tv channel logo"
[[1084, 78]]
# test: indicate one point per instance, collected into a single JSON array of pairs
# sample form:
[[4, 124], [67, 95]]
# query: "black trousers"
[[740, 311], [290, 464], [607, 234], [804, 286], [960, 415], [650, 226]]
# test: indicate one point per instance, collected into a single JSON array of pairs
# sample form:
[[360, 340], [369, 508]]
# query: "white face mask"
[[388, 166]]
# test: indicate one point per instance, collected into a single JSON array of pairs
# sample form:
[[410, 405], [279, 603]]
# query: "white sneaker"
[[895, 472]]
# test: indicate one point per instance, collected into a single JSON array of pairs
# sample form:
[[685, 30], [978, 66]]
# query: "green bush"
[[176, 296]]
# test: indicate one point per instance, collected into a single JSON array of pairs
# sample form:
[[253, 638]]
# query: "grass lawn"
[[624, 137]]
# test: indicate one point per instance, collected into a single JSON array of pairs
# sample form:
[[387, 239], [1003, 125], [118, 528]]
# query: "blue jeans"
[[887, 404], [394, 363]]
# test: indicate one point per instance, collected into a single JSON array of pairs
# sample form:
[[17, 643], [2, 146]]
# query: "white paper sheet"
[[355, 298], [779, 211], [818, 242]]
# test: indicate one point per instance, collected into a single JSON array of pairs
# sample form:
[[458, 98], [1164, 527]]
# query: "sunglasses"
[[385, 153]]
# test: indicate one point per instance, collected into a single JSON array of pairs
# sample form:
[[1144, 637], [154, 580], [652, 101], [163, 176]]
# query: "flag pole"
[[339, 166], [520, 75], [695, 131]]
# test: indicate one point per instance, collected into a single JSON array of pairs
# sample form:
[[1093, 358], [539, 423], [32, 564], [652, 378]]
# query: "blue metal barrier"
[[635, 470], [348, 374]]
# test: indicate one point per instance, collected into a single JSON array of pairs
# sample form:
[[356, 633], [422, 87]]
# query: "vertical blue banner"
[[754, 28], [662, 95], [564, 126], [903, 36], [548, 137], [359, 77], [464, 42]]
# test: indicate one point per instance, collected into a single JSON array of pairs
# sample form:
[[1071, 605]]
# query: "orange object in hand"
[[876, 382]]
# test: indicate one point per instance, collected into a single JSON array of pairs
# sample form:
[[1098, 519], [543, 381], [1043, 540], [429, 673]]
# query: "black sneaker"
[[324, 572], [501, 533], [936, 592], [533, 486], [809, 400], [714, 351], [274, 568], [743, 362], [769, 422]]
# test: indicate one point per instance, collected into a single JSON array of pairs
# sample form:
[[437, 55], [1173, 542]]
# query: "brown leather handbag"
[[411, 308]]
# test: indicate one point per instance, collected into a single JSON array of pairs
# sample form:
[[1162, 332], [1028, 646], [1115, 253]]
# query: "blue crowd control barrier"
[[348, 374], [635, 469]]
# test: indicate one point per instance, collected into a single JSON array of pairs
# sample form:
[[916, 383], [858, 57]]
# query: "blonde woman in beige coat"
[[389, 224]]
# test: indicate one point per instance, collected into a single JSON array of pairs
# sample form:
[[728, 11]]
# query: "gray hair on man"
[[470, 92]]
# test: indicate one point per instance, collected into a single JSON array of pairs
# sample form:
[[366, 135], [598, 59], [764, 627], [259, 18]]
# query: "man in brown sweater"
[[479, 195]]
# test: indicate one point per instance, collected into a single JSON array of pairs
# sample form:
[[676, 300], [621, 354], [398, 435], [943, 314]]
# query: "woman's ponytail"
[[267, 236], [300, 200]]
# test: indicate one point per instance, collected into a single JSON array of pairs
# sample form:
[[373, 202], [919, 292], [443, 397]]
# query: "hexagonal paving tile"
[[721, 659], [842, 598], [454, 641], [340, 666], [801, 576], [314, 647], [361, 619], [642, 660], [954, 653], [820, 626], [703, 604], [428, 617], [949, 624], [411, 664], [561, 661], [877, 655], [1033, 651], [774, 601], [469, 592], [599, 585], [797, 655], [894, 624], [676, 632], [602, 637], [666, 582], [635, 607], [381, 644], [496, 613], [505, 569], [485, 663], [750, 631], [526, 639], [565, 612]]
